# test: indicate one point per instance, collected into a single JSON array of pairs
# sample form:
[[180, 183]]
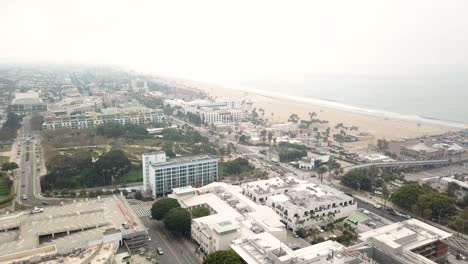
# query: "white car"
[[37, 210], [377, 206]]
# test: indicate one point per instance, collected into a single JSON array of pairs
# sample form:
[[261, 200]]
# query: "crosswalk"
[[141, 209]]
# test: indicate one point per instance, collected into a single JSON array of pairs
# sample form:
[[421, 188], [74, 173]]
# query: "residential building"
[[27, 103], [421, 151], [299, 203], [93, 119], [232, 216], [407, 242], [76, 105], [161, 175]]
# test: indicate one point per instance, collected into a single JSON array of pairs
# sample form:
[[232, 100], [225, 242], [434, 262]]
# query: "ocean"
[[438, 99]]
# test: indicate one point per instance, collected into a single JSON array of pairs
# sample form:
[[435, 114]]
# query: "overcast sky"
[[217, 40]]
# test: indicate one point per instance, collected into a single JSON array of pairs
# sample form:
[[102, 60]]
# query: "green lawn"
[[4, 148], [4, 159], [134, 175], [5, 186]]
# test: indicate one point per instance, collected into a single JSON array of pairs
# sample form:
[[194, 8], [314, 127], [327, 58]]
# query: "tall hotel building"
[[161, 175]]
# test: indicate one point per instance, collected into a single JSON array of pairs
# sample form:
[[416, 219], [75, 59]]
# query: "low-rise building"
[[421, 151], [76, 105], [264, 248], [407, 242], [232, 216], [162, 175], [301, 204], [442, 184], [27, 103], [93, 119]]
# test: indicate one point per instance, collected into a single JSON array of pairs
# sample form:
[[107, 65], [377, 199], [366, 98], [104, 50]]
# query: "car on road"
[[377, 206], [44, 203], [24, 197], [295, 234], [36, 210], [406, 216], [149, 238], [160, 251]]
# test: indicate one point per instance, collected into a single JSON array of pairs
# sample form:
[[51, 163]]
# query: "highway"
[[412, 163]]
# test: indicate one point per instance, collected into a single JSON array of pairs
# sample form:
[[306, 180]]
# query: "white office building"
[[232, 216], [219, 111], [299, 203], [161, 175]]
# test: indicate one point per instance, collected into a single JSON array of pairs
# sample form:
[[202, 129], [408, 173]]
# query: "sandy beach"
[[379, 127]]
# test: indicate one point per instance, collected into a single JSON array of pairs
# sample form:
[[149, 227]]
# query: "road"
[[241, 149], [29, 161], [176, 250]]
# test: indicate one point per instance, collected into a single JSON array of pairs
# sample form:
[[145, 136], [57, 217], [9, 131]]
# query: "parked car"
[[160, 251]]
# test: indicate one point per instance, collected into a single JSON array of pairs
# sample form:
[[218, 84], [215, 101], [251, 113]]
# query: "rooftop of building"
[[264, 248], [185, 159], [419, 147], [231, 206], [409, 234], [85, 220], [300, 192], [27, 98], [462, 184]]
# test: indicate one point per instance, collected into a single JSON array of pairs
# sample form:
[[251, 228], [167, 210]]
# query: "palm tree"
[[321, 170]]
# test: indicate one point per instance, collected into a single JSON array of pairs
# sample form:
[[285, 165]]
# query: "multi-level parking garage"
[[65, 229]]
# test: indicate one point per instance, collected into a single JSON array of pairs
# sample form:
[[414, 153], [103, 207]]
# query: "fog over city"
[[219, 40]]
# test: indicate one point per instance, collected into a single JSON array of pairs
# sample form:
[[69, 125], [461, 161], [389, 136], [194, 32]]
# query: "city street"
[[176, 250], [30, 166]]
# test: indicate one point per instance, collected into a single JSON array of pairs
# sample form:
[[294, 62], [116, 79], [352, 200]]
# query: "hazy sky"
[[218, 40]]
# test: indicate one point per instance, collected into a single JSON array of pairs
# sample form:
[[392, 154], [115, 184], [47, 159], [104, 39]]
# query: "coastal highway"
[[240, 149]]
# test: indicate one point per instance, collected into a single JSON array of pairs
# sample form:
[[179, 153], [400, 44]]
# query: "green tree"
[[138, 195], [294, 118], [9, 166], [178, 220], [200, 212], [223, 257], [161, 207], [407, 195], [322, 170], [452, 189]]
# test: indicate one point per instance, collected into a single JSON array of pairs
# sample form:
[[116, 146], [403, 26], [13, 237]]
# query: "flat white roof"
[[425, 234], [257, 248]]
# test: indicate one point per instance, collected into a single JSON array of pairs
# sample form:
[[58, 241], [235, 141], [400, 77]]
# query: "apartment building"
[[301, 204], [232, 216], [162, 175], [93, 119]]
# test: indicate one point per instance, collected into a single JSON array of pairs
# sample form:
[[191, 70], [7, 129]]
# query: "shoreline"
[[378, 124], [355, 109]]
